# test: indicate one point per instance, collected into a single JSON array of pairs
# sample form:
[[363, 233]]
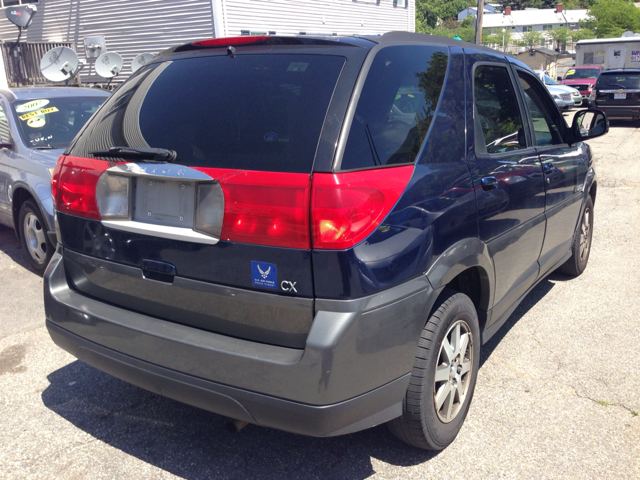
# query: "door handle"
[[489, 183], [548, 168]]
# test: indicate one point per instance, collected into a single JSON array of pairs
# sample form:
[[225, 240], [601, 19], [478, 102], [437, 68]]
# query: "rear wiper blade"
[[616, 85], [44, 147], [159, 155]]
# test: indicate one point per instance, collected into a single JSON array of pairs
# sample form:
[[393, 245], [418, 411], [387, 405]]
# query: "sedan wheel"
[[34, 238]]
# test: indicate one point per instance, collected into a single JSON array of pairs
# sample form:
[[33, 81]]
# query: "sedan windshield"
[[620, 80], [550, 81], [53, 122], [582, 73]]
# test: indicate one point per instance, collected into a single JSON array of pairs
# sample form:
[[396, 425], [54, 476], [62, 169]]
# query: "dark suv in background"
[[617, 93], [316, 234]]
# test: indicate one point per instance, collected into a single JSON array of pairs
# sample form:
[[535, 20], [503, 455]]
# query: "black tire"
[[421, 424], [580, 256], [33, 236]]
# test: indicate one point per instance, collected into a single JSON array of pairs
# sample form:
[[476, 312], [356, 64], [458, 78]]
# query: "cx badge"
[[287, 286]]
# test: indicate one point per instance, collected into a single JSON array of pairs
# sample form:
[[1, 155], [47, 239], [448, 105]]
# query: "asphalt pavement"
[[558, 393]]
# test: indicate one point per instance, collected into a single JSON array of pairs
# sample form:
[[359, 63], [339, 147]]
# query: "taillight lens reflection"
[[348, 207], [209, 209], [112, 193]]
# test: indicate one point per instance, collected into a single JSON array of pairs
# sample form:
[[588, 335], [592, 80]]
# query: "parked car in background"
[[576, 96], [617, 92], [582, 78], [322, 242], [564, 100], [36, 125]]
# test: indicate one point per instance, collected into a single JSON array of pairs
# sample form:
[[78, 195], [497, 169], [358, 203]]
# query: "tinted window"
[[619, 80], [544, 125], [582, 73], [250, 112], [53, 122], [496, 111], [396, 106]]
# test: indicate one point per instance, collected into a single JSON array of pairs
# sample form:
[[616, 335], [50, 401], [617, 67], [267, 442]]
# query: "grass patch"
[[604, 403]]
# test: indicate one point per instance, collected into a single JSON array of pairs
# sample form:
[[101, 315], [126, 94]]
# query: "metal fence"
[[22, 62]]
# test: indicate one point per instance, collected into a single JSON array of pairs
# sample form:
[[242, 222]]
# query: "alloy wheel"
[[35, 238], [453, 371]]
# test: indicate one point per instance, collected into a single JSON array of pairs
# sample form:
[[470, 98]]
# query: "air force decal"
[[264, 275]]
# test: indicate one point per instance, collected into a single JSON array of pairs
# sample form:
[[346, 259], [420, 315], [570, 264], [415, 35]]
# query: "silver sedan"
[[36, 125]]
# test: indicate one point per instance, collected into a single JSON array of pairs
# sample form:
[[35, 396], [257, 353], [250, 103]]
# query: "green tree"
[[530, 39], [428, 12], [611, 18], [560, 36], [581, 34]]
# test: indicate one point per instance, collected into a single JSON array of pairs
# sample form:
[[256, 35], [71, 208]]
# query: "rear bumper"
[[351, 375], [620, 112]]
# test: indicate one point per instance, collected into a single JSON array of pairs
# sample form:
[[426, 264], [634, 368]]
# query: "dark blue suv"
[[316, 234]]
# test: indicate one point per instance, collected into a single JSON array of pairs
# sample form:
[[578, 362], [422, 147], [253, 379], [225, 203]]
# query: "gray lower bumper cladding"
[[351, 375]]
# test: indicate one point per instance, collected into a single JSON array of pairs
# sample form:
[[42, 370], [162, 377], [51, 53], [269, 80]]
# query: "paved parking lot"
[[558, 393]]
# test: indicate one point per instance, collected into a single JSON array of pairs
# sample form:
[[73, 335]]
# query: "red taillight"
[[348, 207], [227, 41], [75, 180], [264, 208], [55, 178]]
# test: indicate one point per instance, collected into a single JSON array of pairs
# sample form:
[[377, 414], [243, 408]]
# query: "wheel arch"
[[20, 194], [467, 268]]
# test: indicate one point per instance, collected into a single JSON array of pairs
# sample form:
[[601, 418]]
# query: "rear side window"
[[496, 113], [250, 112], [619, 80], [396, 106]]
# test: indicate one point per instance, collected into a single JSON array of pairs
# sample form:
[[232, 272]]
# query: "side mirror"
[[559, 79], [587, 124]]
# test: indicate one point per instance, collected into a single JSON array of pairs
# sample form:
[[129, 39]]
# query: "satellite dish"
[[59, 64], [140, 60], [109, 64], [21, 16]]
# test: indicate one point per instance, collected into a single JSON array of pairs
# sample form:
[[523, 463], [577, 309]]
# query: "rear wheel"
[[581, 247], [33, 235], [444, 375]]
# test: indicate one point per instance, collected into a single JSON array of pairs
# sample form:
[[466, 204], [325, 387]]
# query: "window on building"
[[547, 27], [543, 42], [588, 58], [526, 29], [15, 3]]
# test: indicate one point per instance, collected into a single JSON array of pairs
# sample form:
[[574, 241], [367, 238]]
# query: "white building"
[[519, 22], [132, 27]]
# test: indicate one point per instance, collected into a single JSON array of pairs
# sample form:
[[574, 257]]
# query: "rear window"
[[619, 80], [249, 112], [53, 122], [575, 73]]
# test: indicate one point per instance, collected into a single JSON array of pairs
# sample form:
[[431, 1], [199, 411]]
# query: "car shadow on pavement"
[[11, 246], [193, 443], [534, 296], [632, 124]]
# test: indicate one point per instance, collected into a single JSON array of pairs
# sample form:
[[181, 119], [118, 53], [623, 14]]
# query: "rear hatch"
[[619, 89], [219, 237]]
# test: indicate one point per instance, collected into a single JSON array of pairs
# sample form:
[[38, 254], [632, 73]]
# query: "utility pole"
[[479, 15]]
